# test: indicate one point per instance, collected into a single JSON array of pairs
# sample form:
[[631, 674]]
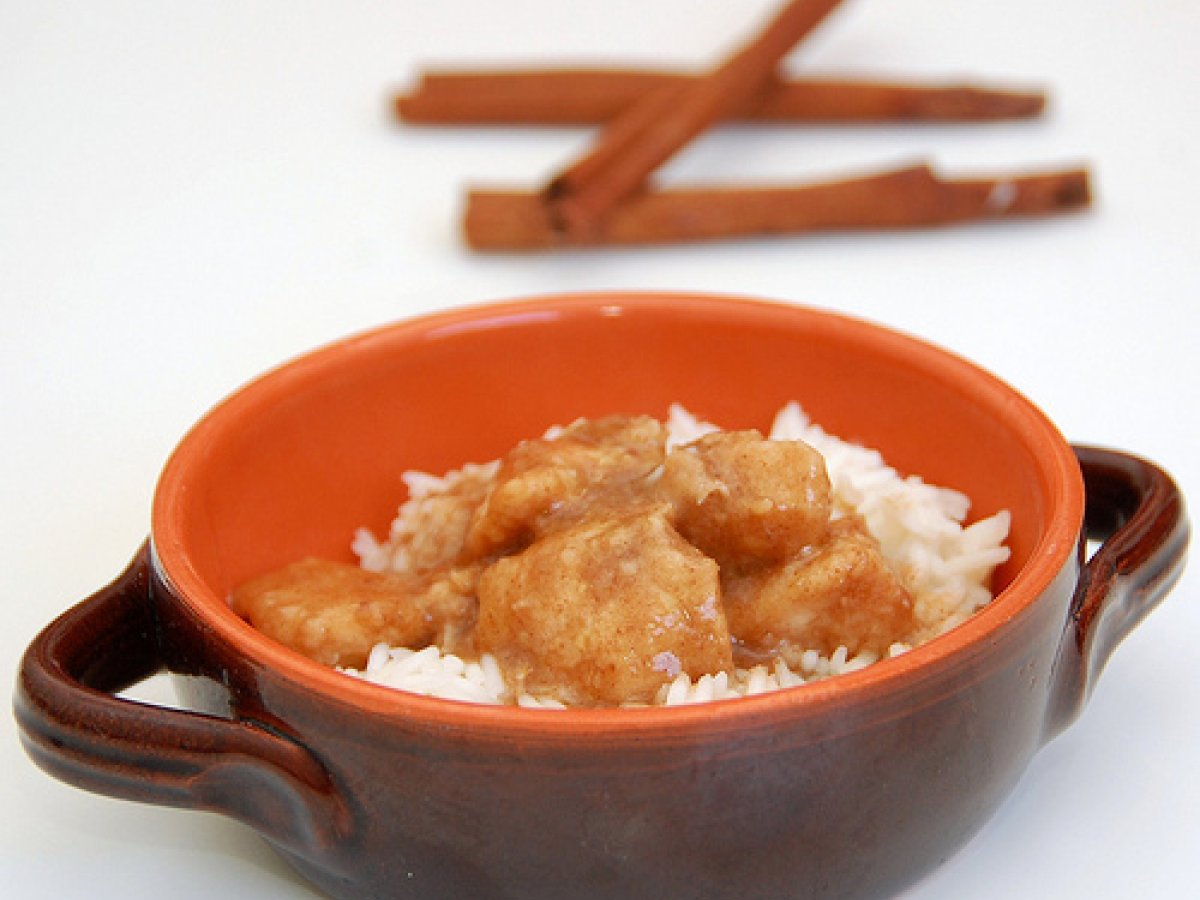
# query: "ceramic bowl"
[[849, 787]]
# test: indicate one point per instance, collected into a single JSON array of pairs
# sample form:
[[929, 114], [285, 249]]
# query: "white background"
[[192, 192]]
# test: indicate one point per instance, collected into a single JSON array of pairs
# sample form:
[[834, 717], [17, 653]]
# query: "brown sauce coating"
[[604, 611], [596, 566], [745, 500], [839, 593], [335, 613], [547, 481]]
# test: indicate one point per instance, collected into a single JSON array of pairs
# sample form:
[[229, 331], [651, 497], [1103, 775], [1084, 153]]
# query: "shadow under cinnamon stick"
[[910, 198]]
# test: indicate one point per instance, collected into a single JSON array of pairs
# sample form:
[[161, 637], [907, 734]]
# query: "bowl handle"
[[1135, 512], [74, 727]]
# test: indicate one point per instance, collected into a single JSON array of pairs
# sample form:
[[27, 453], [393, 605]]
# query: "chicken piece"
[[334, 613], [604, 612], [433, 531], [544, 478], [745, 500], [842, 593]]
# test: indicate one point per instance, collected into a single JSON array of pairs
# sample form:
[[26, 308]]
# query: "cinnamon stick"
[[651, 130], [907, 198], [594, 96]]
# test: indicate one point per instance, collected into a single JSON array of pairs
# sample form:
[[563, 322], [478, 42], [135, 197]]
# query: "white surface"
[[192, 192]]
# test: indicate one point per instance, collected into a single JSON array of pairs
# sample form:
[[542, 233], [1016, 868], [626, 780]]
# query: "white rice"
[[945, 566]]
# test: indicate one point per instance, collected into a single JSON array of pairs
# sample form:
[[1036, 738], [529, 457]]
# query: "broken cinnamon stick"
[[907, 198], [650, 131], [595, 96]]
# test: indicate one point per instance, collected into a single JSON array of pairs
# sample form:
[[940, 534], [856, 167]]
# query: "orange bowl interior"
[[291, 465]]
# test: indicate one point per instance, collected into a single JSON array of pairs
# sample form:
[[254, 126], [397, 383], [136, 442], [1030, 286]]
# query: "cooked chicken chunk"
[[436, 532], [745, 500], [541, 479], [605, 611], [335, 613], [842, 593]]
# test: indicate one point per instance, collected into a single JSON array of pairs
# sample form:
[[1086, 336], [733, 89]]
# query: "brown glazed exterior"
[[851, 787]]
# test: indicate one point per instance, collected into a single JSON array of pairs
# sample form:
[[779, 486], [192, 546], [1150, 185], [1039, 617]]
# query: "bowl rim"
[[957, 647]]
